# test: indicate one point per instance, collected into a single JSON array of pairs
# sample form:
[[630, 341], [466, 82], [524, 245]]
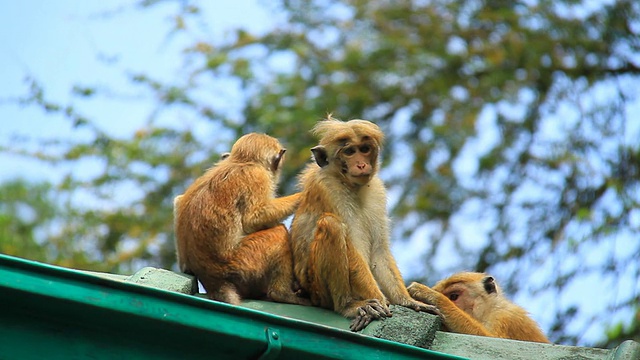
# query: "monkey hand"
[[420, 306], [426, 297], [423, 293], [373, 310]]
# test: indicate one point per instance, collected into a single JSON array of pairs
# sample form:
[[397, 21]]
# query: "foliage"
[[510, 144], [620, 332], [22, 210]]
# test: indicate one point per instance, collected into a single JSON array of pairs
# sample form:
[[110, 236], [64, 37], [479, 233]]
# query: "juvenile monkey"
[[228, 229], [340, 232], [473, 303]]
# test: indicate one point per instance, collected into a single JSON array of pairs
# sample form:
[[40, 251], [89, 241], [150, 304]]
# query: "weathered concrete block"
[[628, 350], [487, 348], [406, 326], [165, 279]]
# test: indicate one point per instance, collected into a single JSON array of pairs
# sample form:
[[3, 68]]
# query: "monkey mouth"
[[360, 175], [362, 178], [359, 179]]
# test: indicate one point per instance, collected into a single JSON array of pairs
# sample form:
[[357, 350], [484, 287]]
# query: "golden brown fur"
[[473, 303], [176, 207], [340, 231], [227, 223]]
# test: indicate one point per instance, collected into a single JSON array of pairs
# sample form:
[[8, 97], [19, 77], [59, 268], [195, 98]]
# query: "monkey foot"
[[298, 290], [372, 310]]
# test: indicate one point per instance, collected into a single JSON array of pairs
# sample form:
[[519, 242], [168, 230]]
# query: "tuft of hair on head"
[[329, 124], [370, 129], [332, 130], [461, 277]]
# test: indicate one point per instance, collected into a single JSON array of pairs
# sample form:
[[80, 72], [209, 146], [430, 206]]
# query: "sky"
[[91, 43], [64, 42]]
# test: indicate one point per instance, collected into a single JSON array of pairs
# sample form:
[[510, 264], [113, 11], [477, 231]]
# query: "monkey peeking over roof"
[[473, 303]]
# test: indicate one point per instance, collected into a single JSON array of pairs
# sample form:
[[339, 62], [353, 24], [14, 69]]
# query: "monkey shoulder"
[[227, 185], [508, 318], [308, 174], [321, 193], [243, 176], [519, 314]]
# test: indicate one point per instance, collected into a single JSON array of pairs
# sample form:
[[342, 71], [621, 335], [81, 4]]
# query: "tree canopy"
[[512, 142]]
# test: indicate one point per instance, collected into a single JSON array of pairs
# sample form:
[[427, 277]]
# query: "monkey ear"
[[225, 155], [489, 285], [320, 155], [275, 164]]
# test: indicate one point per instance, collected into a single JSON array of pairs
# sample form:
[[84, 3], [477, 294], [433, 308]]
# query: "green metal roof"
[[57, 313]]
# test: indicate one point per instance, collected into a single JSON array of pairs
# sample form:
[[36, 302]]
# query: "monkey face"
[[474, 293], [357, 162], [348, 150], [461, 295]]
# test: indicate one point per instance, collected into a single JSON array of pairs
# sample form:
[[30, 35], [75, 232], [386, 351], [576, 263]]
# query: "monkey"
[[340, 231], [176, 200], [473, 303], [228, 226]]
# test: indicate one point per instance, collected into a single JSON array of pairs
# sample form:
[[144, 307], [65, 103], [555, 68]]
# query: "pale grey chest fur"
[[364, 213]]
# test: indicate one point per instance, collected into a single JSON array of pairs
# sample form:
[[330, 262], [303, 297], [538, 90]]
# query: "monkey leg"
[[340, 278], [262, 265], [210, 270]]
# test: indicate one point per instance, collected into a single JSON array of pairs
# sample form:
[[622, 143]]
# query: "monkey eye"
[[453, 296], [349, 151], [365, 149], [343, 141]]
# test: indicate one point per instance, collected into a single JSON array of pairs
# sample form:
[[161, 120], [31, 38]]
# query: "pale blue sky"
[[62, 43]]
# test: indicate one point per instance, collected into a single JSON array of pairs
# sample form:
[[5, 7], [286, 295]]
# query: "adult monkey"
[[228, 230], [473, 303], [340, 231]]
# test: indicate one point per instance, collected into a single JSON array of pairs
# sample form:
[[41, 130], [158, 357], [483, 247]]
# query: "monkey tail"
[[228, 293], [221, 290]]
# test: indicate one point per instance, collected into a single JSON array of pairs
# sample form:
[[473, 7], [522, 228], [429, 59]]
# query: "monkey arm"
[[388, 276], [260, 209], [455, 320]]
